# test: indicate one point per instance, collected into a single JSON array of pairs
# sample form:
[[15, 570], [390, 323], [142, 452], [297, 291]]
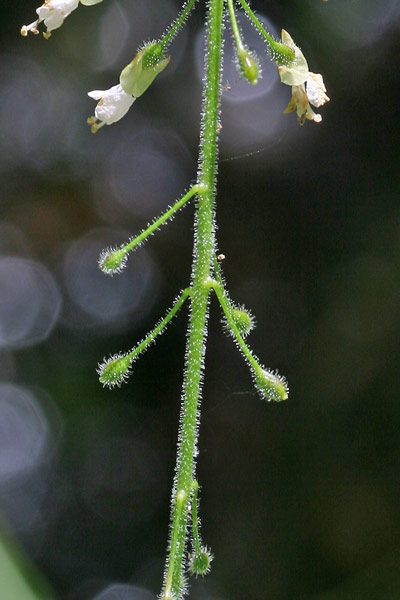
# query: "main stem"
[[204, 249]]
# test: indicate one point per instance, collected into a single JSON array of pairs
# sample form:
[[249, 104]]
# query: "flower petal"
[[54, 12], [113, 104], [316, 90], [97, 94]]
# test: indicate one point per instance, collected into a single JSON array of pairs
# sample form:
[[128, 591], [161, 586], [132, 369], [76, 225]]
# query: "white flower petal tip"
[[53, 13], [113, 104]]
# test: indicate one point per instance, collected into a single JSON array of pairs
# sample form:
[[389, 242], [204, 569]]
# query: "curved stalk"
[[204, 250], [280, 53]]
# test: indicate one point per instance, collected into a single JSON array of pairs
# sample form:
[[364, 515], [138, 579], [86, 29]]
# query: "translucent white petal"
[[316, 90]]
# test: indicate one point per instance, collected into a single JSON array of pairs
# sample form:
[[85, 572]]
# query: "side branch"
[[113, 260], [114, 371], [226, 307], [269, 384]]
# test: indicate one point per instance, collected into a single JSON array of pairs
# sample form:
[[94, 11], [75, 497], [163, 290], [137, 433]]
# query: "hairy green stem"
[[226, 307], [162, 220], [235, 27], [219, 289], [195, 522], [158, 329], [177, 24], [204, 249], [116, 369]]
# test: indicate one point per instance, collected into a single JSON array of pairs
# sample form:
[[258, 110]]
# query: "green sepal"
[[294, 71], [141, 72], [90, 2]]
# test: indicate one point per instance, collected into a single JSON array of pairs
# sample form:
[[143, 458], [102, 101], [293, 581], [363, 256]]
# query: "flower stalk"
[[113, 260], [204, 250], [247, 63], [280, 53], [177, 24], [114, 371]]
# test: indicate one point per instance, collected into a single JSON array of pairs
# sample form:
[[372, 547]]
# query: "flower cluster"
[[135, 78], [53, 13], [307, 88]]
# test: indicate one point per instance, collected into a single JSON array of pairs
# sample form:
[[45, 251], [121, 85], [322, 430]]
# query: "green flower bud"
[[200, 564], [114, 371], [141, 72], [248, 66], [243, 319], [112, 260], [271, 386]]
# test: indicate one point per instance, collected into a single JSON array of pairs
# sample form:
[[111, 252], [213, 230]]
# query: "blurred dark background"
[[299, 500]]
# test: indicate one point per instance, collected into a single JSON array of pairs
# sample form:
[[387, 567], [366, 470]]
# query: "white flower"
[[53, 13], [112, 106], [307, 88]]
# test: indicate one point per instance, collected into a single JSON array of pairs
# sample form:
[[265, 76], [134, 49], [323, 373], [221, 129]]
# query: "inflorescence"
[[308, 89]]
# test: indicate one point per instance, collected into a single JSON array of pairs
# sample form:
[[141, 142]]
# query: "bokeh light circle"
[[30, 302], [24, 432], [102, 299], [118, 591]]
